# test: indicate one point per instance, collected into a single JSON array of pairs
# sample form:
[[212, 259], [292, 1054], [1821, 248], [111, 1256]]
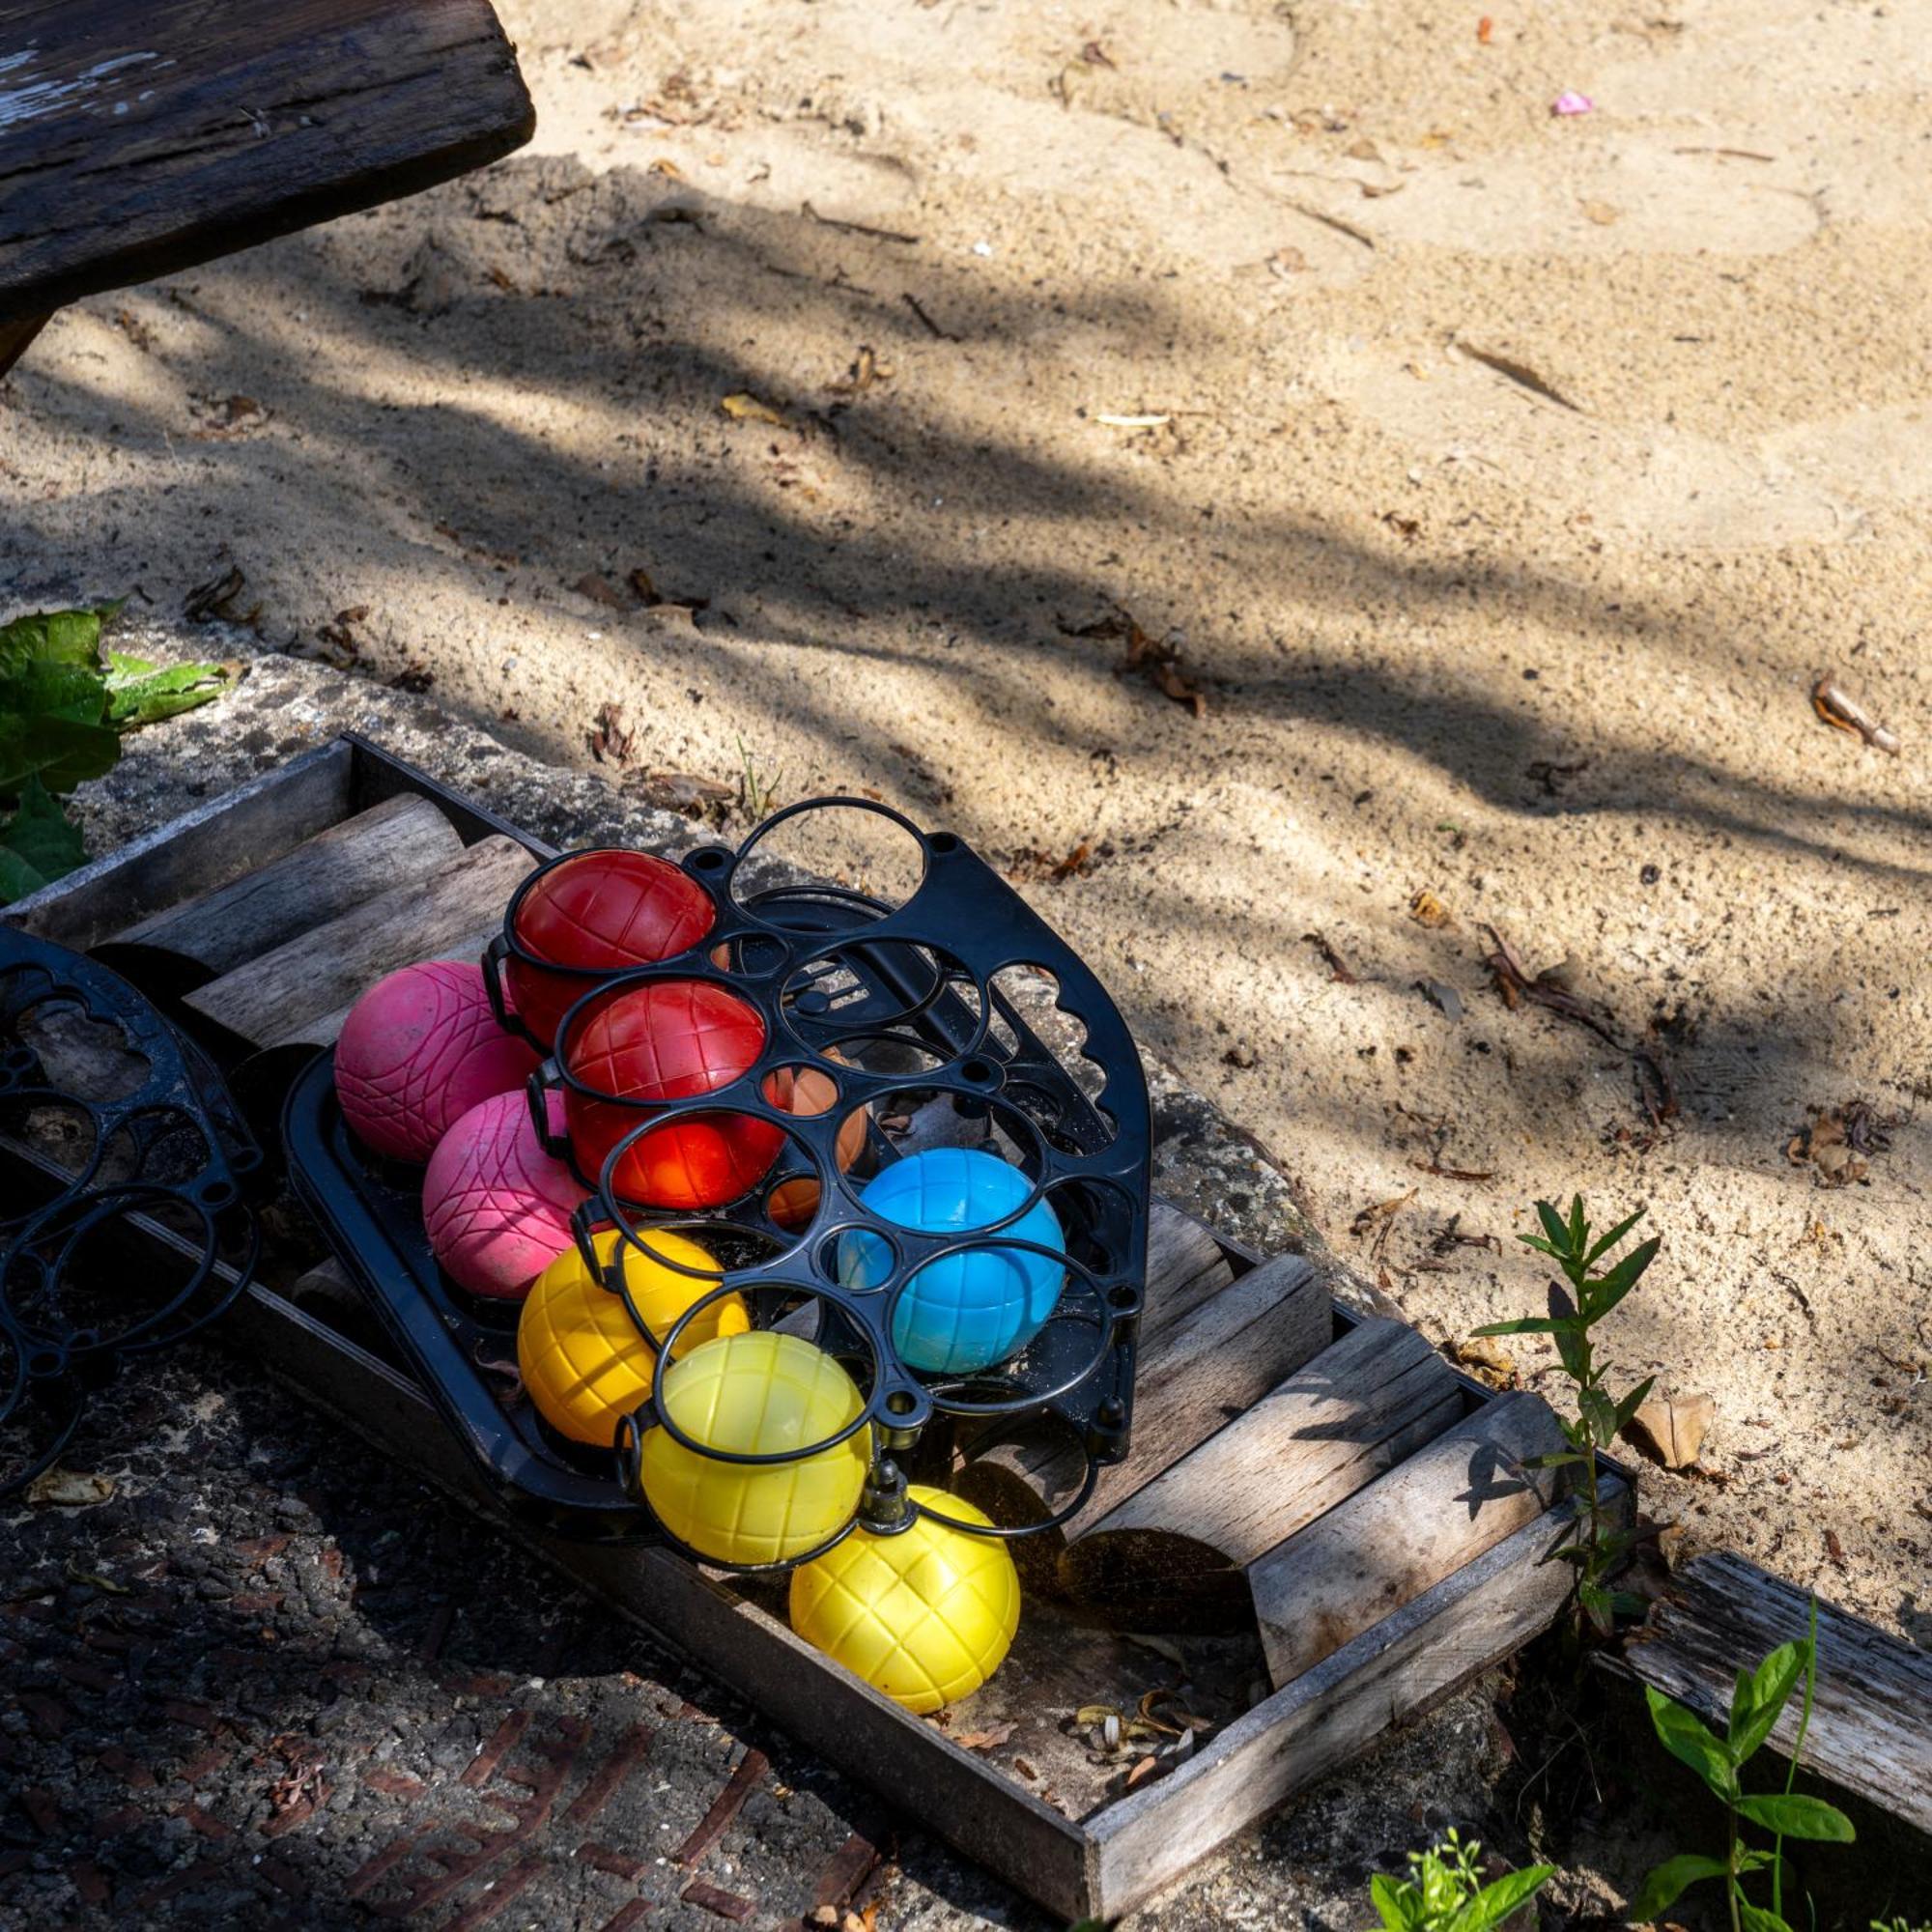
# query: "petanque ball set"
[[788, 1205]]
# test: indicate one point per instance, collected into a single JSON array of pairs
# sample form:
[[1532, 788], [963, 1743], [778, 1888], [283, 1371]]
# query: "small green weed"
[[1445, 1892], [1759, 1697], [62, 714], [1592, 1293]]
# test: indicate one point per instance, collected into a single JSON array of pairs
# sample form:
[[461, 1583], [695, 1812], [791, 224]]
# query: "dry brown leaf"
[[1486, 1359], [664, 165], [68, 1488], [1602, 213], [1338, 967], [1142, 1769], [1838, 708], [1094, 1714], [1670, 1429], [600, 590], [741, 406], [987, 1740], [1426, 909]]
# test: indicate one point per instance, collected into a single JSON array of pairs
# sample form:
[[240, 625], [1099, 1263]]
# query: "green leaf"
[[1666, 1883], [1557, 1459], [1793, 1815], [1553, 1230], [17, 878], [1635, 1401], [1541, 1246], [1580, 1225], [1529, 1325], [140, 693], [1601, 1413], [1496, 1902], [62, 753], [1572, 1351], [1610, 1288], [1763, 1694], [1755, 1919], [40, 836], [1603, 1243], [52, 636], [1395, 1901], [1687, 1740]]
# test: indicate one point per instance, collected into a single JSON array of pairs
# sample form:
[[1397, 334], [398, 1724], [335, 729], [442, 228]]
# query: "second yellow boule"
[[581, 1356], [761, 1394], [925, 1616]]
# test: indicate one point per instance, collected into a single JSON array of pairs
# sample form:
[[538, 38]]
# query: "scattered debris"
[[1486, 1359], [1838, 708], [987, 1740], [1838, 1142], [1834, 1549], [1553, 778], [610, 739], [1602, 214], [1379, 1218], [865, 370], [1241, 1055], [1442, 996], [415, 677], [741, 406], [912, 302], [805, 208], [68, 1488], [1032, 864], [1159, 661], [1129, 422], [1519, 373], [1095, 55], [1426, 909], [1655, 1093], [339, 635], [1670, 1429], [1484, 30], [1450, 1236], [1338, 967], [685, 792], [229, 418], [1569, 102], [218, 600], [652, 599], [600, 590]]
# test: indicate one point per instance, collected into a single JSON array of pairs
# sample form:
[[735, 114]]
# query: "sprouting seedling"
[[1756, 1704], [757, 794], [1573, 1315], [1445, 1892]]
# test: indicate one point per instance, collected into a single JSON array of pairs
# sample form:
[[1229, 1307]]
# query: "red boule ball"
[[418, 1049], [672, 1040], [599, 912], [496, 1205]]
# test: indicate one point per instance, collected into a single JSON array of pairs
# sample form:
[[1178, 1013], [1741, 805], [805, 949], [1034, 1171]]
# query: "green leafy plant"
[[1756, 1703], [758, 793], [1445, 1892], [1900, 1926], [62, 712], [1574, 1311]]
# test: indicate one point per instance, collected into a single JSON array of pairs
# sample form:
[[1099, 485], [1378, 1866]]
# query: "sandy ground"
[[1501, 480]]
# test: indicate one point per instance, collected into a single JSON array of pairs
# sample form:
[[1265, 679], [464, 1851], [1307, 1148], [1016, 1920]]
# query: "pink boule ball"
[[417, 1051], [496, 1205]]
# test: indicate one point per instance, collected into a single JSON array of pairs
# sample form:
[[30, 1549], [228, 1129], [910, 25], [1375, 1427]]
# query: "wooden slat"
[[16, 336], [1464, 1625], [202, 849], [1192, 1373], [396, 843], [1871, 1719], [135, 140], [280, 996], [1172, 1556], [1406, 1531]]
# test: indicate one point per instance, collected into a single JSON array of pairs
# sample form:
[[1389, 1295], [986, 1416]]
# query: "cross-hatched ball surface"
[[966, 1311], [925, 1616], [418, 1049], [601, 911], [582, 1361], [496, 1205], [672, 1040], [763, 1394]]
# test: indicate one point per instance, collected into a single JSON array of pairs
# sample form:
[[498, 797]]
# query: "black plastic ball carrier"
[[945, 1013]]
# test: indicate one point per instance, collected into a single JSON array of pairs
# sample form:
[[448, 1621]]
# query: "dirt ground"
[[1501, 479]]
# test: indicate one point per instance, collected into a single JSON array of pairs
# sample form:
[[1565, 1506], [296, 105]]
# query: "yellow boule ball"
[[758, 1394], [578, 1351], [925, 1616]]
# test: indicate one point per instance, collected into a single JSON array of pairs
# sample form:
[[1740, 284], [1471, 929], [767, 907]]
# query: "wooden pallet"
[[1321, 1516]]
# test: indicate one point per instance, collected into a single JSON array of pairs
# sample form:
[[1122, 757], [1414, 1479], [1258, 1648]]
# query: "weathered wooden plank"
[[201, 850], [1871, 1719], [1462, 1626], [277, 997], [16, 336], [1407, 1530], [136, 140], [392, 844], [1172, 1555], [1191, 1374], [1185, 1265]]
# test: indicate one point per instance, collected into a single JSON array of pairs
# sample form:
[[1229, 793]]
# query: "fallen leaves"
[[1486, 1359], [1838, 708], [1031, 864], [1157, 660], [219, 600], [986, 1740], [864, 371], [741, 406], [1670, 1429], [610, 738], [68, 1488], [1840, 1141], [1338, 967]]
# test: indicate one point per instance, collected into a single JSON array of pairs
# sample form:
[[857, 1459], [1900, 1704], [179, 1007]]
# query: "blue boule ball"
[[970, 1310]]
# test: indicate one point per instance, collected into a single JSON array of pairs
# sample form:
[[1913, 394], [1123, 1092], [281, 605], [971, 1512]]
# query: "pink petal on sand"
[[1568, 102]]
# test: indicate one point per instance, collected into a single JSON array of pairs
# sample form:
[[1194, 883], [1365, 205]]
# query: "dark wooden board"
[[136, 139], [1871, 1719]]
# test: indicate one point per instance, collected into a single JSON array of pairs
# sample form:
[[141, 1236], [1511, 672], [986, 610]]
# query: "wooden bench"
[[138, 137]]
